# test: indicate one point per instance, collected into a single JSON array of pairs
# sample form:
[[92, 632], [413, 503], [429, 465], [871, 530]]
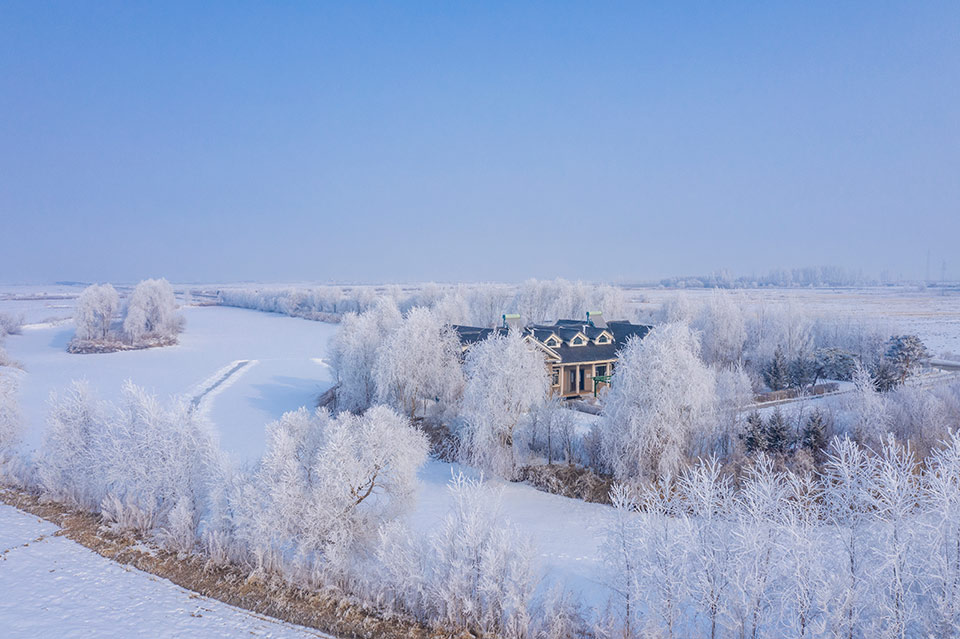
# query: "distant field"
[[931, 314]]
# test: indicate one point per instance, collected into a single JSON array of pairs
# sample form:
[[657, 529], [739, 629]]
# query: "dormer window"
[[552, 342], [577, 341], [602, 339]]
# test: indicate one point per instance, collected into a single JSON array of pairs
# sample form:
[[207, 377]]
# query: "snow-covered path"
[[51, 586]]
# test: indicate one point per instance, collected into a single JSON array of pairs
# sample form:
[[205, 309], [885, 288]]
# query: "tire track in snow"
[[216, 383]]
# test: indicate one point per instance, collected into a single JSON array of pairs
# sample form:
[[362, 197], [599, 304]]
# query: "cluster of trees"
[[870, 547], [783, 346], [149, 317], [415, 364], [474, 304], [667, 407], [410, 362], [323, 508]]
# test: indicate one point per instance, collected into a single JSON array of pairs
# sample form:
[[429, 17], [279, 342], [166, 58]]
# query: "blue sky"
[[368, 141]]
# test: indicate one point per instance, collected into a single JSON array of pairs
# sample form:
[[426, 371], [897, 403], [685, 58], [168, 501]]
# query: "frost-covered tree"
[[722, 329], [354, 353], [807, 577], [919, 416], [754, 434], [835, 363], [777, 433], [152, 311], [327, 482], [506, 379], [776, 374], [70, 464], [660, 407], [553, 431], [868, 418], [96, 307], [419, 364], [906, 353], [11, 425], [813, 438], [847, 503], [734, 394], [708, 496], [895, 492], [758, 548], [10, 324], [941, 491], [622, 559]]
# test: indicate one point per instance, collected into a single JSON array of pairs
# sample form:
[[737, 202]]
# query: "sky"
[[476, 141]]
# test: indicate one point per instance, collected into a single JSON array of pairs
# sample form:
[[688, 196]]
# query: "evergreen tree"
[[777, 374], [884, 374], [814, 435], [803, 371], [754, 438], [905, 353], [777, 433]]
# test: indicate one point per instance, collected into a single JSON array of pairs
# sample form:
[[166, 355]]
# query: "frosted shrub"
[[135, 462], [483, 578]]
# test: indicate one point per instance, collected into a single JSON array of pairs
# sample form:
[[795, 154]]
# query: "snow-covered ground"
[[284, 370], [54, 587]]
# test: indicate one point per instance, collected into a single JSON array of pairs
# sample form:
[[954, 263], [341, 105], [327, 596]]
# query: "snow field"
[[54, 587]]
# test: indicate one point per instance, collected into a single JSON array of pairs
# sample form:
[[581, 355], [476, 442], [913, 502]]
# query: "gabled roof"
[[566, 330]]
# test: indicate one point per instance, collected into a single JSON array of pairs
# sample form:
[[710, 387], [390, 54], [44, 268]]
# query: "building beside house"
[[580, 354]]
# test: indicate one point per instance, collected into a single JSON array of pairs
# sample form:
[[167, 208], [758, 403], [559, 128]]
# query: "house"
[[580, 354]]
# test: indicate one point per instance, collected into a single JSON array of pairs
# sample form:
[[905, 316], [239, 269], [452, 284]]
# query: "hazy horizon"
[[441, 142]]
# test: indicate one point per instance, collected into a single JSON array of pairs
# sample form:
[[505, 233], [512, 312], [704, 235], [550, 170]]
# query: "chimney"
[[595, 319], [511, 321]]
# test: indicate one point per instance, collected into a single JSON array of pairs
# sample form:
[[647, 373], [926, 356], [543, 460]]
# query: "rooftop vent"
[[595, 318], [511, 320]]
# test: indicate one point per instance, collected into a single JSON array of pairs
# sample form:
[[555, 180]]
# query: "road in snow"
[[53, 587]]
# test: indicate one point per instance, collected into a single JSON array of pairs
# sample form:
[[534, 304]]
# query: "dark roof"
[[623, 330], [586, 353], [566, 330], [473, 334]]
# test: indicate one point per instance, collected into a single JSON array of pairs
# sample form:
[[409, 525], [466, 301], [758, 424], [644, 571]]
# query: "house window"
[[572, 373], [602, 340], [601, 370], [552, 342], [577, 341], [555, 377]]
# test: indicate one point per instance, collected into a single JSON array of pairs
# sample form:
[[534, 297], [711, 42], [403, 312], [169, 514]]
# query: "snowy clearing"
[[286, 376], [54, 587]]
